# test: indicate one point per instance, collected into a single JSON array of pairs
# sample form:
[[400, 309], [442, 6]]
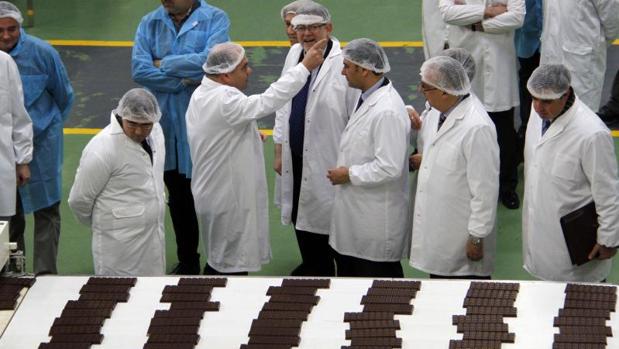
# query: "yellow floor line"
[[268, 132]]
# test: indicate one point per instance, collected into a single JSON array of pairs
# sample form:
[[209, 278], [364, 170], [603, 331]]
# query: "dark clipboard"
[[580, 231]]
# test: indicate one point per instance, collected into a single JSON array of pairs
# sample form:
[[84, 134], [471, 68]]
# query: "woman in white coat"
[[15, 135], [370, 210], [118, 190], [228, 179], [457, 188], [577, 33]]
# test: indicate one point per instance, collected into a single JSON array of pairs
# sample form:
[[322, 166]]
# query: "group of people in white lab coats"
[[342, 137]]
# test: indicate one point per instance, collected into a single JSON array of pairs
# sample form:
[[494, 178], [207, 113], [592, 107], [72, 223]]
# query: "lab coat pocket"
[[129, 220], [564, 167], [448, 156], [581, 59]]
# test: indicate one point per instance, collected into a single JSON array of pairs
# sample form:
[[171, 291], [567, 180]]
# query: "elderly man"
[[118, 190], [48, 97], [368, 225], [171, 44], [569, 162], [309, 129], [458, 181], [16, 142], [229, 183], [426, 131], [485, 28], [288, 12], [577, 35]]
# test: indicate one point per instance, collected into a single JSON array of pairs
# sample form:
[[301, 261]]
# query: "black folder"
[[580, 231]]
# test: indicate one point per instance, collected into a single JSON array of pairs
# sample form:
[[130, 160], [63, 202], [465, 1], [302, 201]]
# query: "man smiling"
[[309, 129]]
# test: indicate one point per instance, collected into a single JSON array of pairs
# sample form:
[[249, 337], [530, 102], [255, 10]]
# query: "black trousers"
[[184, 220], [508, 145], [611, 108], [359, 267], [527, 66], [316, 253], [462, 277]]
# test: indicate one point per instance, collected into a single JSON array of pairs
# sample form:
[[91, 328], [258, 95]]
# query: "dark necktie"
[[148, 150], [441, 120], [297, 119], [545, 126], [359, 103]]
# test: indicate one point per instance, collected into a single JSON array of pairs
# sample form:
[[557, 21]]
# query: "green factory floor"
[[252, 20]]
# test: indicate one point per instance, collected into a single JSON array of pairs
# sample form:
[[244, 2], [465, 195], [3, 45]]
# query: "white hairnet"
[[11, 11], [446, 74], [292, 7], [311, 13], [138, 105], [549, 81], [223, 58], [367, 54], [464, 57]]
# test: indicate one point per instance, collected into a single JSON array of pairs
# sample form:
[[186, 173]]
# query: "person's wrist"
[[474, 240]]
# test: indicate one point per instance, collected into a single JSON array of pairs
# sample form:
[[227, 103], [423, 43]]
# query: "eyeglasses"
[[423, 88], [311, 28]]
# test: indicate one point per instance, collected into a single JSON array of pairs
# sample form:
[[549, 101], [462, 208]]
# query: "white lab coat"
[[330, 103], [370, 213], [577, 33], [496, 77], [573, 164], [457, 191], [120, 194], [15, 132], [228, 179], [433, 28]]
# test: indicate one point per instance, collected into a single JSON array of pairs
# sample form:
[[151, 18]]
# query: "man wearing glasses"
[[458, 180], [118, 190], [309, 129]]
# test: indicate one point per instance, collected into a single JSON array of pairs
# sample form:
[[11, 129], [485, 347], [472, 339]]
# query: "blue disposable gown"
[[48, 97], [182, 55]]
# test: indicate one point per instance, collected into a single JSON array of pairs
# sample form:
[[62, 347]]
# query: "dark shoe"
[[186, 269], [510, 199]]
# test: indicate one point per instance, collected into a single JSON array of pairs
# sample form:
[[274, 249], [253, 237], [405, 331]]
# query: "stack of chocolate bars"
[[278, 325], [375, 327], [486, 303], [10, 289], [582, 320], [178, 327], [79, 324]]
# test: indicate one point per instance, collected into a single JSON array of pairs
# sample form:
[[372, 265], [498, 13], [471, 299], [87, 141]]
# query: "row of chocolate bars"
[[581, 321]]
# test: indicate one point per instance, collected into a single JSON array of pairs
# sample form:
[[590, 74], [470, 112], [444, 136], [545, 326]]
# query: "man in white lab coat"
[[577, 33], [485, 28], [369, 221], [118, 190], [569, 162], [308, 129], [15, 136], [458, 181], [228, 179]]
